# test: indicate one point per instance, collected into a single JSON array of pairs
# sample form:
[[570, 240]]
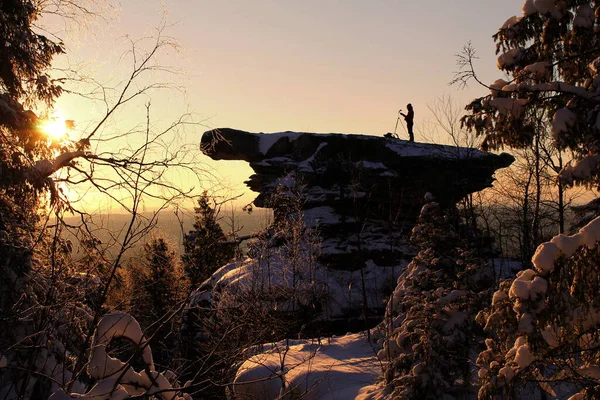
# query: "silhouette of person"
[[409, 117]]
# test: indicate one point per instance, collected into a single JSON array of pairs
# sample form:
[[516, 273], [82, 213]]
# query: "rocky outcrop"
[[364, 192]]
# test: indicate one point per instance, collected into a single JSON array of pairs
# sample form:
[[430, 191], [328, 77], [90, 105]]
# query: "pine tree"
[[206, 248], [430, 317]]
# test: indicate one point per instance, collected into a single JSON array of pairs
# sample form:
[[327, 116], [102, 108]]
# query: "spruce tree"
[[543, 325], [156, 290], [206, 248], [552, 55], [430, 317]]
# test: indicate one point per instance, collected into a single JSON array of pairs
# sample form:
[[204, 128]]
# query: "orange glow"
[[55, 126]]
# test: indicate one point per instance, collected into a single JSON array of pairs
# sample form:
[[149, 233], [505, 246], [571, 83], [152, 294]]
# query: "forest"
[[367, 267]]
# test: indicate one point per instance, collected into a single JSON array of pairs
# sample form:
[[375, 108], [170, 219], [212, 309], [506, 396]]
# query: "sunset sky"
[[318, 66]]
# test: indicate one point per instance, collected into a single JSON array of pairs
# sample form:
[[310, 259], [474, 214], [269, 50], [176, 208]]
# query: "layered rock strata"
[[363, 192]]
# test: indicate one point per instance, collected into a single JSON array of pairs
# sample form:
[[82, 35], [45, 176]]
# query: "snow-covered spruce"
[[550, 55], [544, 323], [430, 316]]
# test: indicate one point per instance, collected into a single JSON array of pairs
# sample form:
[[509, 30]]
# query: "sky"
[[318, 66]]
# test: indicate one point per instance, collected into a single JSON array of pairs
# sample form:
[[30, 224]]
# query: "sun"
[[55, 126]]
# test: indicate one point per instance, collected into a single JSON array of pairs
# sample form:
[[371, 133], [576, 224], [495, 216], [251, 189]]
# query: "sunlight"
[[55, 126]]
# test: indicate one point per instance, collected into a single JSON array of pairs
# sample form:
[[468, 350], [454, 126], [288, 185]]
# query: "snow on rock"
[[508, 59], [412, 149], [267, 140], [341, 288], [324, 215], [306, 165], [373, 165], [352, 184], [336, 368]]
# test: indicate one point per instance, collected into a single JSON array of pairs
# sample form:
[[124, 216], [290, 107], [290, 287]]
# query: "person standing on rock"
[[409, 117]]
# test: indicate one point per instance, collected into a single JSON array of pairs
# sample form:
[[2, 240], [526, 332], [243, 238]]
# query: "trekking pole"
[[405, 131], [396, 128]]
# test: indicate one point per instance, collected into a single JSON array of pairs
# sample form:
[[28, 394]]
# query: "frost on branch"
[[116, 379]]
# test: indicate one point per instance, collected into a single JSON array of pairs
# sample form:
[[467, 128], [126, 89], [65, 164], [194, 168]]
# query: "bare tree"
[[59, 288]]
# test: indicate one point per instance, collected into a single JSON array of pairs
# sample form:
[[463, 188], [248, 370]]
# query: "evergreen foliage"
[[40, 290], [206, 247], [552, 55], [430, 317], [543, 324], [156, 288], [25, 54]]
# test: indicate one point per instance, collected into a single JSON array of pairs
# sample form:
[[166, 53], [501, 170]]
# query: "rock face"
[[363, 192]]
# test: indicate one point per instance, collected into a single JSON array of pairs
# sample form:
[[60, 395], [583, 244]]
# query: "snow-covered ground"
[[341, 289], [335, 368]]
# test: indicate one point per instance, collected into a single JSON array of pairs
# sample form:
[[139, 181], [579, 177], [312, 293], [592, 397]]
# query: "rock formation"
[[362, 195], [364, 192]]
